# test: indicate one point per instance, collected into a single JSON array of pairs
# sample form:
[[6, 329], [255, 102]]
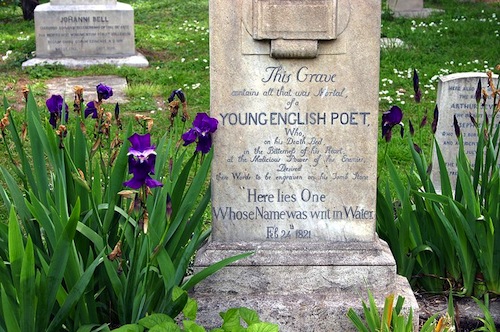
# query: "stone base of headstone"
[[81, 35], [301, 287]]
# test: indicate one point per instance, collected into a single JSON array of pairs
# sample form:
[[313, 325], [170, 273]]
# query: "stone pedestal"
[[294, 86], [78, 33], [300, 287]]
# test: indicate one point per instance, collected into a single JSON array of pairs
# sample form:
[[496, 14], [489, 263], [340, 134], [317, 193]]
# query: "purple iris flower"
[[416, 86], [479, 90], [103, 91], [179, 95], [390, 119], [203, 128], [456, 126], [141, 162], [424, 120], [55, 105], [91, 109], [435, 120], [117, 111]]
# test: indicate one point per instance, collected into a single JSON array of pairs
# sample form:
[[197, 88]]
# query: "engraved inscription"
[[93, 34], [460, 101], [295, 159]]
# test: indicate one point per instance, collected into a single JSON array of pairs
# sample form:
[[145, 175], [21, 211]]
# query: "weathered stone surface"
[[295, 165], [306, 19], [84, 31], [302, 312], [456, 97], [315, 267], [297, 138], [301, 287]]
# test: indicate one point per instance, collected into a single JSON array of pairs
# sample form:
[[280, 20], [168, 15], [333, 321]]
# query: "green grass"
[[173, 35]]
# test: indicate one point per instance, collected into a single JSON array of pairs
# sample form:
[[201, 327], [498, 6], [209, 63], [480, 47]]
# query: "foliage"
[[488, 322], [390, 319], [234, 320], [4, 3], [447, 235], [394, 319], [78, 248]]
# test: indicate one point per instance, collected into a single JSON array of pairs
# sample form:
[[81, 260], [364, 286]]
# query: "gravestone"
[[406, 5], [81, 33], [294, 86], [456, 97], [410, 8]]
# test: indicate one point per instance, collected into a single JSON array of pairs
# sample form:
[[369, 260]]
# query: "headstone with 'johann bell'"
[[456, 97], [80, 33], [294, 86]]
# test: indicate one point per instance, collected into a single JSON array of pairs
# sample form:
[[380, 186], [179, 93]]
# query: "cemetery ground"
[[174, 36]]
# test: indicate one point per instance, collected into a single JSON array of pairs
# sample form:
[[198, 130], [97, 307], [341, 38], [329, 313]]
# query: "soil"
[[466, 310]]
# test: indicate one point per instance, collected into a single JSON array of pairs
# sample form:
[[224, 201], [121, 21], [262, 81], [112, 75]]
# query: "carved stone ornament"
[[294, 28]]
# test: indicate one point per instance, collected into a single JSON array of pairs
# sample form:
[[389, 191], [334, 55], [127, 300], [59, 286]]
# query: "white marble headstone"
[[84, 30], [456, 97], [296, 149]]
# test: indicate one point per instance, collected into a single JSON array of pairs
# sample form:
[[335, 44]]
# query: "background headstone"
[[294, 86], [78, 33], [405, 5], [410, 8], [456, 97]]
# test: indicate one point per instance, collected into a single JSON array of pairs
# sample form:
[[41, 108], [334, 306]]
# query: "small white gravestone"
[[294, 86], [410, 8], [456, 97], [406, 5], [80, 33]]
